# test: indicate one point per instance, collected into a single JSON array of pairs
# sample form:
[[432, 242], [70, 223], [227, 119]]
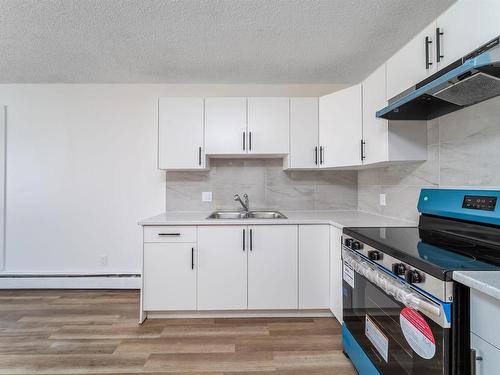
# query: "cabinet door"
[[487, 356], [169, 276], [466, 26], [408, 66], [222, 267], [268, 125], [225, 126], [375, 130], [272, 267], [336, 273], [314, 268], [180, 132], [340, 128], [304, 133], [3, 138]]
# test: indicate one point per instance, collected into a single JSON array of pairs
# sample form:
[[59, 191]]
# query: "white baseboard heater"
[[70, 281]]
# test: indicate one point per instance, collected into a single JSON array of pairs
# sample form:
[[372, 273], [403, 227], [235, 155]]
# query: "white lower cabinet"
[[487, 356], [485, 333], [169, 276], [272, 267], [336, 272], [314, 268], [222, 268], [238, 267]]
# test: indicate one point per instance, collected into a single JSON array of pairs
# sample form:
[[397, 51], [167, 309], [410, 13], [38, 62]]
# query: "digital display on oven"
[[476, 202]]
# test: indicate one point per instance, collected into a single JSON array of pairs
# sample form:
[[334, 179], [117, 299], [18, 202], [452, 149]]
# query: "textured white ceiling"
[[204, 41]]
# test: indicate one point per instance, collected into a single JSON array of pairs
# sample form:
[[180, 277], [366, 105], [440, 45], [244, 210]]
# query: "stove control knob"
[[374, 255], [399, 268], [356, 245], [413, 277], [348, 242]]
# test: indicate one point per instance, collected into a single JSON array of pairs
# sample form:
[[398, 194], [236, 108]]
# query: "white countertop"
[[487, 282], [338, 219]]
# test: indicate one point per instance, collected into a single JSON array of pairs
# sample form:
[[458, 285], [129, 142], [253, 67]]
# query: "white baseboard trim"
[[70, 282], [239, 314]]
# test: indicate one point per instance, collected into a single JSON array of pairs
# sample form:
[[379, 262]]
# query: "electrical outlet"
[[206, 196], [104, 260], [382, 199]]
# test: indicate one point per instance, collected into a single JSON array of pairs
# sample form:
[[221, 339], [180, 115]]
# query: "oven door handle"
[[399, 291]]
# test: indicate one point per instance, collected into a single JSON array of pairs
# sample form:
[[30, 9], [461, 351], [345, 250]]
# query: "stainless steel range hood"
[[470, 80]]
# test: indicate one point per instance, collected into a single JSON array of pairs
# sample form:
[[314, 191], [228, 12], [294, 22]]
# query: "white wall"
[[81, 171]]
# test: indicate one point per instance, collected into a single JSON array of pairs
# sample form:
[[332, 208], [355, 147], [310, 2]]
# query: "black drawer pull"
[[169, 234], [439, 34], [251, 240], [192, 258], [428, 42]]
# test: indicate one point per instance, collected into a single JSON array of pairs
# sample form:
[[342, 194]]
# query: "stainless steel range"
[[403, 314]]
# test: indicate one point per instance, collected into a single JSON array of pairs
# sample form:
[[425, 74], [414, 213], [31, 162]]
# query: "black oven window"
[[366, 304]]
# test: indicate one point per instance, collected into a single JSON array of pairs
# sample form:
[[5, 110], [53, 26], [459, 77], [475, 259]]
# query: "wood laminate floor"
[[96, 332]]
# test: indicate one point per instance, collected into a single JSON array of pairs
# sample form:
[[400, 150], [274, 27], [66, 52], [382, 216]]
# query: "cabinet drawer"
[[169, 234], [485, 310]]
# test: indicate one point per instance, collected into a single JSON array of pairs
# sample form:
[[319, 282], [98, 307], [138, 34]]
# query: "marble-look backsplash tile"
[[463, 151], [268, 186]]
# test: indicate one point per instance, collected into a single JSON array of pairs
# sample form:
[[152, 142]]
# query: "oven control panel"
[[477, 202], [401, 270]]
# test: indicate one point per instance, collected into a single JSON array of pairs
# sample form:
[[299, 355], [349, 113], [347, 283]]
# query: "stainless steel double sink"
[[246, 215]]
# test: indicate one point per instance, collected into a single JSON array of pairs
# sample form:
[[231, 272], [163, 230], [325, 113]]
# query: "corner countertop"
[[338, 219], [487, 282]]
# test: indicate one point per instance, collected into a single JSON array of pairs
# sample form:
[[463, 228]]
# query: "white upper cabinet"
[[222, 267], [465, 26], [180, 133], [272, 267], [412, 63], [340, 128], [375, 132], [225, 126], [388, 141], [268, 125], [304, 133]]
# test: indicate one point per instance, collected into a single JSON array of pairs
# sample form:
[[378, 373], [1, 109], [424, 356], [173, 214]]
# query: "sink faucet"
[[245, 204]]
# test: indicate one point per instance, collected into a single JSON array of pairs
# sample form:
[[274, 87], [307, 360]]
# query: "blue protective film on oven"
[[358, 357], [451, 203]]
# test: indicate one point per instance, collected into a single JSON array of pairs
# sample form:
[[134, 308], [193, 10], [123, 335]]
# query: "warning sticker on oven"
[[377, 338], [348, 275], [417, 332]]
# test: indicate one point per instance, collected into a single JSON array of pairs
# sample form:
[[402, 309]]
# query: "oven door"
[[401, 330]]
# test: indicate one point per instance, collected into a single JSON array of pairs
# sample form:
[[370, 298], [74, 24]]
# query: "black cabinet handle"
[[428, 63], [169, 234], [321, 150], [199, 155], [244, 240], [363, 157], [316, 155], [251, 240], [439, 33], [192, 258], [250, 141], [244, 141]]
